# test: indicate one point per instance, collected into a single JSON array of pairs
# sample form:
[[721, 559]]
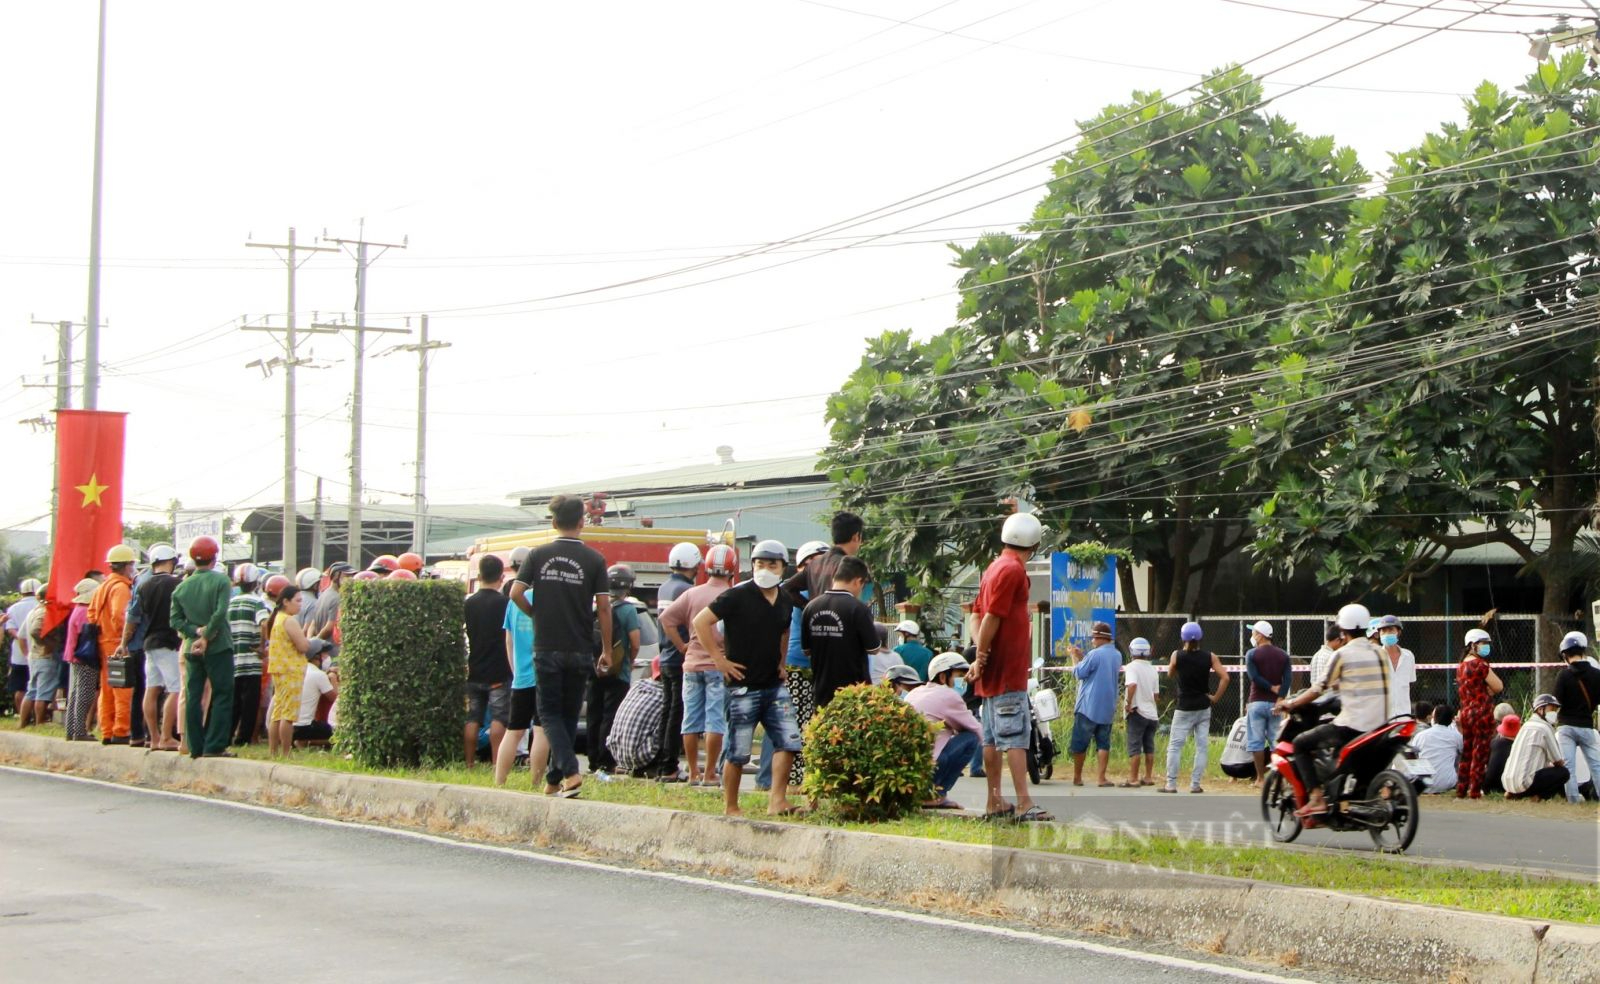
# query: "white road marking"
[[923, 918]]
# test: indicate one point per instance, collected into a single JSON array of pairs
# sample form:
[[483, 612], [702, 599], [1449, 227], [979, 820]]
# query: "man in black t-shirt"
[[837, 632], [571, 594], [755, 619], [488, 669], [812, 580]]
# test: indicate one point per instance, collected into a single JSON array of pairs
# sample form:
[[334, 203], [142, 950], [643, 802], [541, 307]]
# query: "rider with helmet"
[[108, 611], [1360, 673], [910, 649], [200, 615], [519, 556], [609, 684], [940, 702], [247, 614], [683, 561], [802, 689], [705, 703]]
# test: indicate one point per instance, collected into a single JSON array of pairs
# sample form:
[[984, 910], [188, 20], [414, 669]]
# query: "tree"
[[1465, 376], [146, 532], [1100, 358]]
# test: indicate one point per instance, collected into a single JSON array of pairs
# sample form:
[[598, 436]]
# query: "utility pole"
[[419, 525], [91, 347], [63, 387], [316, 528], [291, 529], [358, 248]]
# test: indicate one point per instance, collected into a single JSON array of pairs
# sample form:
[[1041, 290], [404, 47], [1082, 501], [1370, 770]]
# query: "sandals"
[[792, 810], [1126, 785], [943, 804], [1036, 814], [1006, 814], [567, 792]]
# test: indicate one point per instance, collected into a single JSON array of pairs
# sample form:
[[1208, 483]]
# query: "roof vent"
[[724, 455]]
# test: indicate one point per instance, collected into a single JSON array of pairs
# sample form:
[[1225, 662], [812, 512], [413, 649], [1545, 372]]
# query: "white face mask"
[[766, 580]]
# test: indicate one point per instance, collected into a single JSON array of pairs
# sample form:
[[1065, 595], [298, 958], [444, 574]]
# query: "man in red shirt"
[[1000, 672]]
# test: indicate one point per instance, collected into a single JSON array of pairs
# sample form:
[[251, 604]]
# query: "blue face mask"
[[959, 686], [1483, 649], [1390, 639]]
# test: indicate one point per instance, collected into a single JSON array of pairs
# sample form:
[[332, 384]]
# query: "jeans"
[[605, 696], [1186, 724], [136, 673], [771, 708], [705, 702], [1261, 729], [670, 737], [207, 735], [562, 677], [246, 708], [1570, 740], [955, 755], [764, 774]]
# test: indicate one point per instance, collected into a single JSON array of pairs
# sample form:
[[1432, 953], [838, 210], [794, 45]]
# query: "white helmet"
[[770, 550], [1022, 530], [308, 579], [1475, 636], [246, 573], [808, 550], [909, 627], [684, 557], [29, 586], [1139, 646], [160, 552], [1353, 618], [947, 661]]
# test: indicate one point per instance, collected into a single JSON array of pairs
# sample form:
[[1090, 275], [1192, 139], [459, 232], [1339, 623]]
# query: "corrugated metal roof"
[[692, 478]]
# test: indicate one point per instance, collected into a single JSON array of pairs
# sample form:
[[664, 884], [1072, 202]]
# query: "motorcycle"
[[1363, 789], [1043, 708]]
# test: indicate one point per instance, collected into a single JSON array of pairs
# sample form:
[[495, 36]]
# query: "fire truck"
[[643, 548]]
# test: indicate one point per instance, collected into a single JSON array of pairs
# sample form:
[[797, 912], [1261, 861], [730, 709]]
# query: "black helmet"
[[621, 578]]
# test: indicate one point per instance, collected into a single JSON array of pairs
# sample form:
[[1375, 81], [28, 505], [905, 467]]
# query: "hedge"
[[402, 665], [869, 754]]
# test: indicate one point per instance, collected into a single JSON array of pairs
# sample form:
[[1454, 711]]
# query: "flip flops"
[[1007, 814], [1036, 814]]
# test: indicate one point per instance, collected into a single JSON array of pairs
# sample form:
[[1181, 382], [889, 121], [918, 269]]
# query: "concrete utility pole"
[[358, 248], [316, 528], [419, 524], [291, 529], [63, 387], [91, 347]]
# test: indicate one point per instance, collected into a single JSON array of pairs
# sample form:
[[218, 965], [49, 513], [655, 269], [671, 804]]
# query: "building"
[[384, 529]]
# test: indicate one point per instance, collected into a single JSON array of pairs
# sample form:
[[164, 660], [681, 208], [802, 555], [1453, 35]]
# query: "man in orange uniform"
[[108, 610]]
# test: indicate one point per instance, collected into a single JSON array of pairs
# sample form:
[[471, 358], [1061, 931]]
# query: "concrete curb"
[[1278, 925]]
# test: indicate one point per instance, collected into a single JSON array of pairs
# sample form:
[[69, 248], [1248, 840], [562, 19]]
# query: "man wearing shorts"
[[16, 621], [524, 715], [1141, 713], [755, 618], [1096, 703], [705, 700], [44, 666], [1000, 668], [151, 614], [1268, 669], [488, 672]]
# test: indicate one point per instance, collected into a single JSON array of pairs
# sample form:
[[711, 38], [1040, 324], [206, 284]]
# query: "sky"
[[556, 171]]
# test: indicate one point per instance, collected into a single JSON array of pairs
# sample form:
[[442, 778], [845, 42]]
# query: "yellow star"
[[91, 492]]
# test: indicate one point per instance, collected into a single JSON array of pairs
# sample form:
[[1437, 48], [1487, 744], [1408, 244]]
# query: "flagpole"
[[91, 348]]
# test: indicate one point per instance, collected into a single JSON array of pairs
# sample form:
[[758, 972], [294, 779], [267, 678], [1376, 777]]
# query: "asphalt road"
[[139, 886], [1565, 845]]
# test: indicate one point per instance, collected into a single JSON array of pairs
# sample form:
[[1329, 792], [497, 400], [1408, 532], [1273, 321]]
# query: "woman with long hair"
[[1192, 668], [1476, 686], [287, 648]]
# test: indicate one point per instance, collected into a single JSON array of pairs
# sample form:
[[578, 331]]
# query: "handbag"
[[87, 650]]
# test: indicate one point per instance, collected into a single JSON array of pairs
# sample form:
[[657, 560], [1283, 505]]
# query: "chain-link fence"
[[1435, 640]]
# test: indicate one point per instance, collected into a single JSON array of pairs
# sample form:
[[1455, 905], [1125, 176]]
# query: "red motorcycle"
[[1363, 791]]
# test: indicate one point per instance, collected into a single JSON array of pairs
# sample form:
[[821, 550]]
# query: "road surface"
[[140, 886]]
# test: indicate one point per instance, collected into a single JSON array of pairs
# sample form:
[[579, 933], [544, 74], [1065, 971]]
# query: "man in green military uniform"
[[200, 616]]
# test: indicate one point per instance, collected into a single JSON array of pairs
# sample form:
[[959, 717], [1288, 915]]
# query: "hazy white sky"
[[530, 150]]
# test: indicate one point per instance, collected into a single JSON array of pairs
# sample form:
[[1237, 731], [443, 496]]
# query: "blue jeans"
[[1085, 731], [772, 709], [1570, 740], [1005, 720], [1184, 725], [955, 755], [764, 774], [705, 703], [1261, 729], [562, 677]]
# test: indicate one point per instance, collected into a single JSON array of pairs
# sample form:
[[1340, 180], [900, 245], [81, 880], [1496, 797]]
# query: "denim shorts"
[[1085, 730], [496, 698], [770, 708], [1005, 720], [705, 703], [1141, 734], [1262, 727], [44, 678]]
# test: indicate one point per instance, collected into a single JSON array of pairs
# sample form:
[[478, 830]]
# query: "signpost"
[[1079, 597]]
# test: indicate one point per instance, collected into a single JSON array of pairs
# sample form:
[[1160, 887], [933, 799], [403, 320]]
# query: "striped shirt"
[[246, 612], [1360, 672]]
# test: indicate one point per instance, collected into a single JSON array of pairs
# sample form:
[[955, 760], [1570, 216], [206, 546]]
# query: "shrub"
[[869, 754], [402, 668]]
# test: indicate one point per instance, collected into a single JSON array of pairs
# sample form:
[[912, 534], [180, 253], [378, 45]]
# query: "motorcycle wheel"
[[1395, 836], [1277, 809]]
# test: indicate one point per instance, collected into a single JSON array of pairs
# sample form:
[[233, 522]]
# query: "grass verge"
[[1499, 892]]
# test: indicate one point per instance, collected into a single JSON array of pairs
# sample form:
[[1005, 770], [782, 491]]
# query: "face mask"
[[1391, 639], [1484, 649], [905, 695], [766, 580], [959, 686], [1546, 716]]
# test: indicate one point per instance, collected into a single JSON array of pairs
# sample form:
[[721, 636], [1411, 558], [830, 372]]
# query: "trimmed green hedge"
[[870, 754], [402, 665]]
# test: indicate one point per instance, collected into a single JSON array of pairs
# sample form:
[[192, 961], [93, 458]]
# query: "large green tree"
[[1464, 372], [1100, 356]]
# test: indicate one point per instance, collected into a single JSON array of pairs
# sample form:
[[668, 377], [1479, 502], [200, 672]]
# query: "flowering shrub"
[[869, 754]]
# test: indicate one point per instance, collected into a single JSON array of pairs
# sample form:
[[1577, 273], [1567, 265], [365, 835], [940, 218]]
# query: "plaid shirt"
[[635, 733]]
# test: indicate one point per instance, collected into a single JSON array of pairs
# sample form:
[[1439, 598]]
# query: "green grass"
[[1500, 892]]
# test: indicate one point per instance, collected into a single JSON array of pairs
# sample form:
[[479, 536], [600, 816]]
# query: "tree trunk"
[[1130, 586], [1182, 551]]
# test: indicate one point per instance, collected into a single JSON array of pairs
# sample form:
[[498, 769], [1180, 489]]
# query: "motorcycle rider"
[[1360, 672]]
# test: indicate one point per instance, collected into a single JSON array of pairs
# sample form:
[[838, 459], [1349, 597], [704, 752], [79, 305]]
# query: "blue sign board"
[[1079, 597]]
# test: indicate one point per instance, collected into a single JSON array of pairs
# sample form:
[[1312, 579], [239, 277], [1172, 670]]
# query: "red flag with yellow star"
[[88, 500]]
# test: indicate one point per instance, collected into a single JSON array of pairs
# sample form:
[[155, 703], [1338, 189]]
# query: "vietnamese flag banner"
[[88, 500]]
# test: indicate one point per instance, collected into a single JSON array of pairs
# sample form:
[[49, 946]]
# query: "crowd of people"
[[562, 656]]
